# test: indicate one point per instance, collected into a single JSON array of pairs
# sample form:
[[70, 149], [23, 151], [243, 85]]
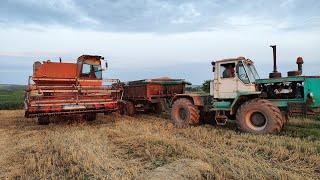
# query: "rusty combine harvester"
[[70, 88], [151, 95]]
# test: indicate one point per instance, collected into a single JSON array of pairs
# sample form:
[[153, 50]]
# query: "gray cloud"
[[161, 15]]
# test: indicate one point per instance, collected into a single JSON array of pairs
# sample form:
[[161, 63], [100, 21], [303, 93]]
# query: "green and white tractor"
[[257, 105]]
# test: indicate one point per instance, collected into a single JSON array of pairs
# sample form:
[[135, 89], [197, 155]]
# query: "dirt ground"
[[149, 147]]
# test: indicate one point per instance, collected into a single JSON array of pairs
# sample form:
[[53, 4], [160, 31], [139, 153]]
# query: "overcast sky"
[[150, 38]]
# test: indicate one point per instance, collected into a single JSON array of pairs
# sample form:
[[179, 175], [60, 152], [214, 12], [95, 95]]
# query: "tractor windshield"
[[251, 71]]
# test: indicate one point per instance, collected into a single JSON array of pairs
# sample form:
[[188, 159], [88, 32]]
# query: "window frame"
[[223, 66], [87, 75], [245, 71]]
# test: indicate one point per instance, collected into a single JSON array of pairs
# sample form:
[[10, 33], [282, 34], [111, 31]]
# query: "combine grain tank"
[[151, 94], [58, 88]]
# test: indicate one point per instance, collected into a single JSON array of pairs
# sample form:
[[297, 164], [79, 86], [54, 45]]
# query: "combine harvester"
[[71, 88], [258, 105]]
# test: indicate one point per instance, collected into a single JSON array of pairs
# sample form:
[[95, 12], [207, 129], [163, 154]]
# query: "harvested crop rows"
[[146, 147]]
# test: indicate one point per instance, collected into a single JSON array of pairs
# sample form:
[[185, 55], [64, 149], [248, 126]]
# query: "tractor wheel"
[[184, 113], [90, 116], [259, 116], [129, 108], [43, 120]]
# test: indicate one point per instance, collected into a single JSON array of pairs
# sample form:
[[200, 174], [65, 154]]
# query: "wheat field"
[[150, 147]]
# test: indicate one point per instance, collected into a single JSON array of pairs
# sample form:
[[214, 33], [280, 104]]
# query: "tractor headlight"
[[310, 99]]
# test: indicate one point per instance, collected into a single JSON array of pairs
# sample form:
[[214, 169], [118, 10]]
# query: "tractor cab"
[[233, 77]]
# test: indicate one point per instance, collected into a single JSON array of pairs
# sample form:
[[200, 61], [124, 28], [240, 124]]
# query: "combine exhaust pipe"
[[274, 73]]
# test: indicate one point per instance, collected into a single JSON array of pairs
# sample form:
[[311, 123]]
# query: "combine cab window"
[[242, 74], [86, 70], [97, 71], [91, 71]]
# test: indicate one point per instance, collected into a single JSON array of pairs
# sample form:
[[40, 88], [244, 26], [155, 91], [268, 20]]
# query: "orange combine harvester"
[[71, 88]]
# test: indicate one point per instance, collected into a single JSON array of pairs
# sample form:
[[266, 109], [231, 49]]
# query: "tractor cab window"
[[242, 74], [91, 71], [227, 70]]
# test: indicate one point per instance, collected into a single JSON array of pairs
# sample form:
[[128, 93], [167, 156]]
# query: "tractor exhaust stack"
[[274, 73]]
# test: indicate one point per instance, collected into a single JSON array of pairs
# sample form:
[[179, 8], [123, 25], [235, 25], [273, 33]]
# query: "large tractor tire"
[[184, 113], [43, 120], [259, 116]]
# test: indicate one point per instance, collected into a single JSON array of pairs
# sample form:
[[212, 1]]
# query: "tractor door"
[[225, 83], [245, 78]]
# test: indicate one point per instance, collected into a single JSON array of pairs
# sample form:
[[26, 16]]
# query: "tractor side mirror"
[[213, 66]]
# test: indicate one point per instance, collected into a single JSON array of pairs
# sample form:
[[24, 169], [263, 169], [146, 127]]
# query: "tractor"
[[259, 106], [71, 89]]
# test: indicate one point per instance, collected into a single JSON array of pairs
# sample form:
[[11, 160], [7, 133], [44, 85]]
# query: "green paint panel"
[[284, 102], [222, 104], [278, 80], [312, 84]]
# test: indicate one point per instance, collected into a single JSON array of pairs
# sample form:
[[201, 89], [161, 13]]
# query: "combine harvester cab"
[[70, 88]]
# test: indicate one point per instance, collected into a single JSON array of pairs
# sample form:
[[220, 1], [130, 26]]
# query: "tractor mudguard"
[[197, 99]]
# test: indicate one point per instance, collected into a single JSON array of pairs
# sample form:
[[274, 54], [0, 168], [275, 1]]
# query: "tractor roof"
[[240, 58]]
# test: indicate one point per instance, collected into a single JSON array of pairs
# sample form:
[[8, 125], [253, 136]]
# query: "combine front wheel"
[[259, 116], [129, 108], [184, 113], [90, 116], [43, 120]]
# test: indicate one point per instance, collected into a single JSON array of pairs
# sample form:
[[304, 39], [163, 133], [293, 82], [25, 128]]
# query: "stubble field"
[[149, 147]]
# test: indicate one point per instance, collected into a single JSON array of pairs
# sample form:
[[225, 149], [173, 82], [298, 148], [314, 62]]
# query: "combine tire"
[[259, 116], [90, 116], [184, 113], [43, 120], [129, 108]]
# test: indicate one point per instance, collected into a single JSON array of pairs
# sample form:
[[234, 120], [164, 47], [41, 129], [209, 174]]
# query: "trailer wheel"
[[184, 113], [90, 116], [259, 116], [129, 108], [158, 108], [43, 120]]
